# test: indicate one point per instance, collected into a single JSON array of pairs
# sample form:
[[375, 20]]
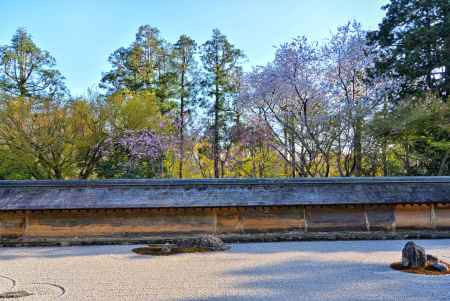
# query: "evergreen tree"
[[144, 65], [413, 43], [221, 61], [184, 65], [26, 70]]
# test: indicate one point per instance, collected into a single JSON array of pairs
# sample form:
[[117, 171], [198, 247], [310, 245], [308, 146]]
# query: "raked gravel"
[[333, 270]]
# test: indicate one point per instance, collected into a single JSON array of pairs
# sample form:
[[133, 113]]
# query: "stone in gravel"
[[432, 259], [166, 249], [438, 266], [413, 256], [210, 242]]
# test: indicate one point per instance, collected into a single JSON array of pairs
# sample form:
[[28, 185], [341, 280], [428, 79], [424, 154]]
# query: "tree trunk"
[[216, 133], [292, 151], [222, 168], [357, 144], [385, 142], [181, 127], [57, 173], [286, 143], [443, 165], [253, 154], [446, 12], [447, 81]]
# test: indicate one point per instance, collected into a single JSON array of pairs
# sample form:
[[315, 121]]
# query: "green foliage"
[[144, 65], [414, 44], [221, 61], [129, 112], [165, 115], [11, 168], [87, 121], [185, 68], [36, 133], [418, 135], [26, 70]]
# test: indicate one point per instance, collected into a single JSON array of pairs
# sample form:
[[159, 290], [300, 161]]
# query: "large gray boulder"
[[413, 256]]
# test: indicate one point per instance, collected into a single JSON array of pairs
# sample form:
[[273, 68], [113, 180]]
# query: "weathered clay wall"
[[306, 222], [129, 211]]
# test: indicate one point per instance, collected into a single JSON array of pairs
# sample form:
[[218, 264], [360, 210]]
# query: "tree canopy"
[[26, 70], [357, 104], [413, 42]]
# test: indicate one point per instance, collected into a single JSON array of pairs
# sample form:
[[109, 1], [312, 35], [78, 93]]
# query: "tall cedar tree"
[[184, 65], [221, 61], [414, 43]]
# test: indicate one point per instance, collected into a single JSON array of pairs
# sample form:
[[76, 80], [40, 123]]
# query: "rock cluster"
[[210, 242], [414, 256]]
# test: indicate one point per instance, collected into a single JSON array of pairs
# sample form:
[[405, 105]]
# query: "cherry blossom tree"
[[289, 94], [135, 149], [353, 96]]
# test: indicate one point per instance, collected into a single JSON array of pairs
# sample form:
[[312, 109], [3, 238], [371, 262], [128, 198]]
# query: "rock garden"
[[204, 243], [416, 260]]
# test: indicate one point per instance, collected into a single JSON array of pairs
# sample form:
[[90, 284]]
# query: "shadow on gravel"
[[333, 280], [341, 246], [301, 280]]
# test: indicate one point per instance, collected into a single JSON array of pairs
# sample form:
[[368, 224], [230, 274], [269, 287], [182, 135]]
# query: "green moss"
[[427, 270], [156, 250]]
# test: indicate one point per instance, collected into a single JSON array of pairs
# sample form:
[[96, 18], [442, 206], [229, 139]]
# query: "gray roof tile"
[[104, 194]]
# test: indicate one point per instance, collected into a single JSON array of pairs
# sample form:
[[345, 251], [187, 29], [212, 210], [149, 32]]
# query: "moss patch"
[[156, 250], [427, 270], [16, 294]]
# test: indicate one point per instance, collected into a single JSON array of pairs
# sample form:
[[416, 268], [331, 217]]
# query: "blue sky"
[[81, 34]]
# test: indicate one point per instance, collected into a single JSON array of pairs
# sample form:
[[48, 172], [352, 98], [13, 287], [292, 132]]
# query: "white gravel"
[[357, 270]]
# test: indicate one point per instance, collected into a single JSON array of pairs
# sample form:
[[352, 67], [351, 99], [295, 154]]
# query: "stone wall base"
[[229, 238]]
